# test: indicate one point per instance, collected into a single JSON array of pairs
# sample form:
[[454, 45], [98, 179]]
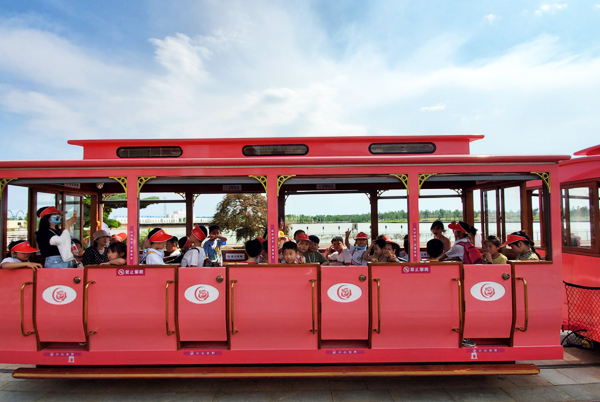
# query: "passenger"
[[358, 249], [263, 258], [312, 255], [392, 251], [438, 230], [195, 256], [462, 250], [184, 245], [435, 249], [119, 237], [145, 248], [298, 233], [172, 249], [97, 253], [253, 248], [79, 248], [375, 252], [282, 237], [493, 254], [404, 253], [521, 243], [212, 247], [54, 243], [157, 238], [303, 242], [20, 251], [290, 253], [117, 252], [337, 254]]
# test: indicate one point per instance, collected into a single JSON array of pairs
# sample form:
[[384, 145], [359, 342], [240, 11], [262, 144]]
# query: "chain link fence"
[[583, 313]]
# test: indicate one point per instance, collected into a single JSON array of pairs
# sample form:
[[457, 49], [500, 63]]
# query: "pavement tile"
[[538, 394], [67, 397], [13, 396], [133, 397], [275, 384], [479, 395], [310, 384], [554, 377], [347, 385], [583, 375], [527, 381], [361, 396], [582, 392], [473, 381], [421, 395], [244, 397], [374, 383], [195, 397], [302, 396]]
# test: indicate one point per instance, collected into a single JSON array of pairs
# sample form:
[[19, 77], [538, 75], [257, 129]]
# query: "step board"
[[274, 371]]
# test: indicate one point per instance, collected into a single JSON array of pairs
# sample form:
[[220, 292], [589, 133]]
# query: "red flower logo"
[[487, 291], [202, 294], [59, 295], [344, 292]]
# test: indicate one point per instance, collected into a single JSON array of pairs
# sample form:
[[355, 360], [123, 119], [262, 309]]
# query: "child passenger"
[[492, 255], [212, 247], [313, 255], [437, 228], [522, 244], [172, 247], [435, 249], [117, 252], [290, 253], [156, 252], [337, 254], [253, 249], [303, 242], [195, 256], [263, 258], [184, 245], [20, 251], [358, 249], [461, 234], [375, 253], [392, 251]]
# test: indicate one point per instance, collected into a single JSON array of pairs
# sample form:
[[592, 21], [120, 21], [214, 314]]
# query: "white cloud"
[[436, 108], [490, 18], [550, 8]]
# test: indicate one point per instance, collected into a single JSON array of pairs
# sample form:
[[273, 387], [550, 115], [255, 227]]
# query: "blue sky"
[[523, 73]]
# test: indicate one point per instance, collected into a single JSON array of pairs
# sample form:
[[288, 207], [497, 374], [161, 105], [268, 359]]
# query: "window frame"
[[593, 185]]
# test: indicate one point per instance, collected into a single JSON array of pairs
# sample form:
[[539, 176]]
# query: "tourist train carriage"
[[579, 179], [293, 320]]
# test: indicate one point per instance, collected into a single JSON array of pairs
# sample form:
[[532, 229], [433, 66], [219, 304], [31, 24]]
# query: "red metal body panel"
[[202, 304], [418, 310], [581, 269], [272, 308], [11, 338], [544, 316], [488, 299], [344, 302], [59, 305], [128, 311]]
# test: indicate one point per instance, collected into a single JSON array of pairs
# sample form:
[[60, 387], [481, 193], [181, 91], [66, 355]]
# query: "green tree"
[[112, 223], [243, 214]]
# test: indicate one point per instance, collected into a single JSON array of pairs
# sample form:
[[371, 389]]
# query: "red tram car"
[[282, 320]]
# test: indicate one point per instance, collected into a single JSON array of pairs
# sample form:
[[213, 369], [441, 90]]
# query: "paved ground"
[[576, 378]]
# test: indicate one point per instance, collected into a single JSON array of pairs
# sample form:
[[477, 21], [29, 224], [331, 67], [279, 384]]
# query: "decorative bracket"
[[403, 178], [182, 195], [141, 181], [545, 176], [423, 177], [262, 180], [122, 181], [3, 184], [379, 192], [281, 180], [458, 191]]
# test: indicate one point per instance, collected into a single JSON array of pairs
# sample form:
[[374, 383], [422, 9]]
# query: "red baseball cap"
[[23, 247], [456, 226], [159, 236], [199, 233], [302, 236], [361, 236], [120, 236], [513, 239], [260, 239], [50, 211]]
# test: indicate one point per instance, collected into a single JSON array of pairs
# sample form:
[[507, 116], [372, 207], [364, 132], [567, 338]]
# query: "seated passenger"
[[337, 254], [117, 252], [97, 253], [298, 233], [119, 237], [79, 253], [404, 253], [462, 250], [438, 230], [263, 258], [172, 247], [20, 251], [392, 251], [157, 238], [195, 256], [303, 243], [289, 250], [312, 255], [521, 243], [358, 249], [145, 248], [184, 245], [435, 249], [253, 249], [492, 255], [212, 246], [375, 252]]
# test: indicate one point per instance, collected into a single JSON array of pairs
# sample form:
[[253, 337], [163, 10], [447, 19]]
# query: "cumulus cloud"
[[436, 108], [490, 18], [550, 8]]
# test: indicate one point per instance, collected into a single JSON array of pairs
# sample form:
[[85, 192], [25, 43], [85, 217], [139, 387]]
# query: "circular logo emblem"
[[344, 292], [487, 291], [121, 271], [201, 294], [405, 269], [59, 295]]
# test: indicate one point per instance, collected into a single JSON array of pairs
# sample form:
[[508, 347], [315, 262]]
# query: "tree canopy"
[[243, 214]]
